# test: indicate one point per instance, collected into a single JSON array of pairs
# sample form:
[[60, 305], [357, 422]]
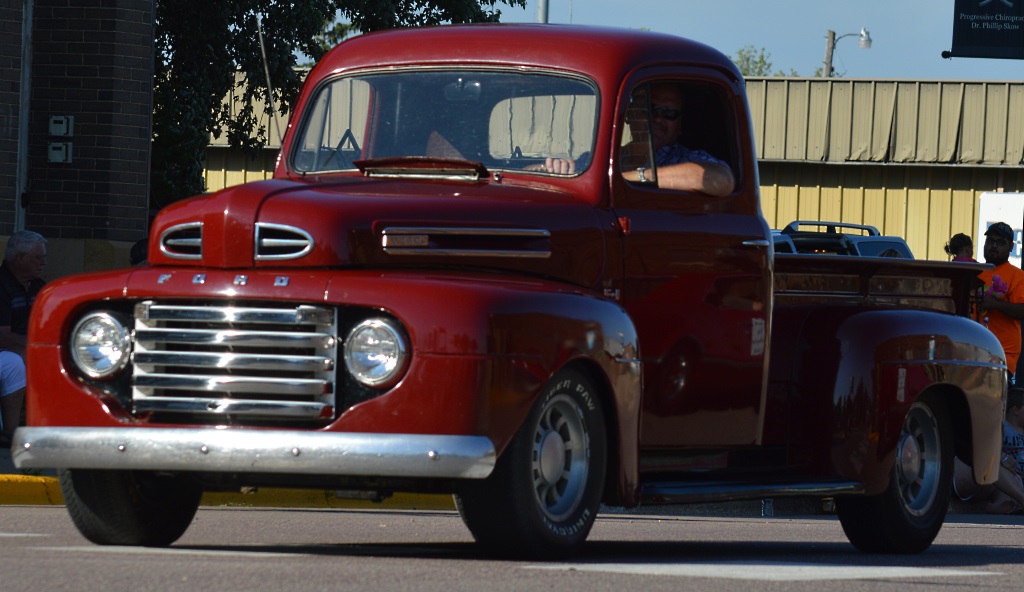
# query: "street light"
[[830, 46]]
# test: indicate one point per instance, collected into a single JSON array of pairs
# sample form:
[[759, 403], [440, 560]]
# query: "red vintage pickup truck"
[[467, 276]]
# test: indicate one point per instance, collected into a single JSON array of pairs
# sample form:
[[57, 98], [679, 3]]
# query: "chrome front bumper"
[[254, 451]]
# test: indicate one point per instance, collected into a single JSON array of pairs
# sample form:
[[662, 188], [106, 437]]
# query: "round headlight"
[[375, 353], [100, 345]]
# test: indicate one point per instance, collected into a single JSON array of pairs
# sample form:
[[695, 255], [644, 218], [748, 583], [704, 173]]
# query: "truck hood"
[[385, 223]]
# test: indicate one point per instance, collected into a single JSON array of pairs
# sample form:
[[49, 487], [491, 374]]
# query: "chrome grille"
[[266, 363], [277, 241], [184, 241]]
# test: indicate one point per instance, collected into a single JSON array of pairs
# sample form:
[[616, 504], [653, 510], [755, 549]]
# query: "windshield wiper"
[[423, 167]]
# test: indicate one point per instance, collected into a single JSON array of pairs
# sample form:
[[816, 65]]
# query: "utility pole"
[[830, 46], [542, 11]]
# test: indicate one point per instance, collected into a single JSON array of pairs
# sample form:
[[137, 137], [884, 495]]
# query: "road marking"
[[168, 551], [769, 571], [21, 534]]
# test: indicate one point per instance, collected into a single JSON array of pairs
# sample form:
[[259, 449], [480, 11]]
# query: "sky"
[[908, 36]]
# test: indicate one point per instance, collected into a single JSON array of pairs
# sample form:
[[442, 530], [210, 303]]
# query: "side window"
[[679, 135]]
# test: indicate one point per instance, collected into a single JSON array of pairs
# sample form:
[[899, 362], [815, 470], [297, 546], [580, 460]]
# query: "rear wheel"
[[544, 493], [129, 507], [907, 517]]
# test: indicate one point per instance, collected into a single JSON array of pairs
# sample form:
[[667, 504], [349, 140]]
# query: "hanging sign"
[[987, 29]]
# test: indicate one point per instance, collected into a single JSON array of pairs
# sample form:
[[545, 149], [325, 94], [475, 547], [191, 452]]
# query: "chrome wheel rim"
[[919, 461], [560, 459]]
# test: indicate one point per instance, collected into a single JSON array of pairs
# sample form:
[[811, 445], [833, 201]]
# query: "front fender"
[[890, 358], [523, 332]]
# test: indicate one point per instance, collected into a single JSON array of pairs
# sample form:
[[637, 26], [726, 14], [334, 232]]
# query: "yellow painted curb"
[[29, 490], [25, 490]]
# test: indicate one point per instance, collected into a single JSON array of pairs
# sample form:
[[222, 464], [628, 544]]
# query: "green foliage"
[[375, 15], [202, 45], [328, 38], [757, 62]]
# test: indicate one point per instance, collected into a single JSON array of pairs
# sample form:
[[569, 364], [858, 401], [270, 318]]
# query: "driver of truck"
[[676, 166], [557, 166]]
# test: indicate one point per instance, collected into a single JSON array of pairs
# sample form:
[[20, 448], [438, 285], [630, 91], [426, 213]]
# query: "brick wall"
[[93, 62], [10, 72]]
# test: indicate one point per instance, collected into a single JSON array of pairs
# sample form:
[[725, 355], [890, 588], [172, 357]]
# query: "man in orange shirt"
[[1002, 306]]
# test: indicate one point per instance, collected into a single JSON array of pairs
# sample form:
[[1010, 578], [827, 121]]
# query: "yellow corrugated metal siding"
[[910, 157], [925, 205], [262, 112], [840, 120], [1015, 125], [226, 167]]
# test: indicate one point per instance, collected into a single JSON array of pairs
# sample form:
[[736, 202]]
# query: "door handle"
[[759, 242]]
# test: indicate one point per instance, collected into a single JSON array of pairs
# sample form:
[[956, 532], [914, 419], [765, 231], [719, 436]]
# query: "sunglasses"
[[667, 113]]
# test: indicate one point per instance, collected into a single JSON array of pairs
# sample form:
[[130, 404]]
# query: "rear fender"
[[891, 358]]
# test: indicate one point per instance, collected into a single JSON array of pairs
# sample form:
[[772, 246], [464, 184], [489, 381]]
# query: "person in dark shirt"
[[20, 280]]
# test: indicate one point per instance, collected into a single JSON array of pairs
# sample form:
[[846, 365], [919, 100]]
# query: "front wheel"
[[129, 507], [907, 517], [543, 496]]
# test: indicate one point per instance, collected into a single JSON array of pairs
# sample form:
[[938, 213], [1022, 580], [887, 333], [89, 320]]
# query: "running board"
[[677, 492]]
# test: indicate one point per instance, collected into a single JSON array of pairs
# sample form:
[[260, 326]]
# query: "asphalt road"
[[255, 549]]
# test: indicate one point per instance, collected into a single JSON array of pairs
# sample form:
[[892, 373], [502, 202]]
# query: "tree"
[[757, 62], [330, 37], [201, 46]]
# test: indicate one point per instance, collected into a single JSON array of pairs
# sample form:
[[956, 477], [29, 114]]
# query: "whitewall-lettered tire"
[[544, 493]]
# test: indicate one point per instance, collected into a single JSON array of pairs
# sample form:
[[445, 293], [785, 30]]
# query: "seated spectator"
[[12, 395], [20, 280], [1006, 496]]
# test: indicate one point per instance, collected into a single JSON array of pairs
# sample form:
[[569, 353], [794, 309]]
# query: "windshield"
[[505, 120]]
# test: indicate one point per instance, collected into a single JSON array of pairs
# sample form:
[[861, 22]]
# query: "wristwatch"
[[640, 174]]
